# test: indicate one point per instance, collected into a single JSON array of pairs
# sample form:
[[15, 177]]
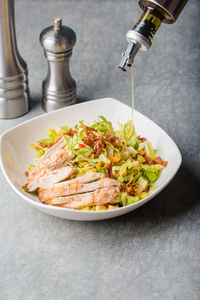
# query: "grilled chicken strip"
[[49, 177], [98, 197], [74, 187], [60, 144], [53, 191], [53, 157]]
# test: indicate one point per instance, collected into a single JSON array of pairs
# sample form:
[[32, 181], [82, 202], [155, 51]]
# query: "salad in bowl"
[[93, 167]]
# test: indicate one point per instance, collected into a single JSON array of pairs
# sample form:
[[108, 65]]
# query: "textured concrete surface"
[[153, 252]]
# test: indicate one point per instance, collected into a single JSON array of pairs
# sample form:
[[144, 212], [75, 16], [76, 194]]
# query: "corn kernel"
[[92, 156], [129, 189], [37, 147], [115, 159], [101, 207], [143, 195], [153, 187], [94, 170], [99, 164], [112, 207]]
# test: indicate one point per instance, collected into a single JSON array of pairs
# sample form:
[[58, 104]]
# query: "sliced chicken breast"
[[74, 187], [59, 145], [55, 157], [49, 177], [88, 177], [98, 197]]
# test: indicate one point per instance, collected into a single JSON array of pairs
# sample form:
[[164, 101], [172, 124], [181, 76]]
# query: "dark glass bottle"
[[155, 12]]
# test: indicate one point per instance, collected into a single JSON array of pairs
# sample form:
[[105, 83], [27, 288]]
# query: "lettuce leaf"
[[64, 128], [52, 134], [131, 199], [129, 130], [151, 172], [103, 125], [149, 150]]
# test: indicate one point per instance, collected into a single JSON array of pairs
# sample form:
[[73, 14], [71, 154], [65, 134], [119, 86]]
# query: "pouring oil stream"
[[132, 88]]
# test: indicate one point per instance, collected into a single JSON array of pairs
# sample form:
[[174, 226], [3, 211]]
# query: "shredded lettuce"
[[131, 199], [103, 125], [151, 172], [52, 133], [46, 141], [64, 128], [151, 153], [129, 131]]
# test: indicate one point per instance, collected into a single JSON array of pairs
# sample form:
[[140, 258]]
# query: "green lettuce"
[[151, 153], [52, 134], [151, 172], [129, 131], [103, 125], [131, 199]]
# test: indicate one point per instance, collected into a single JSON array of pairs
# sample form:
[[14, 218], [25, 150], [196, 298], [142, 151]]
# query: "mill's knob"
[[59, 88]]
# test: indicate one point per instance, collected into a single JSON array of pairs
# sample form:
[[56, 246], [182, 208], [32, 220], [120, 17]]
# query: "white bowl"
[[16, 154]]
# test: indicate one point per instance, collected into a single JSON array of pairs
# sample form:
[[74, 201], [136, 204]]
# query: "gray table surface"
[[153, 252]]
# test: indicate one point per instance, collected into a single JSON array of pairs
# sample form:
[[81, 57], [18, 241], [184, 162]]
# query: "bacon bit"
[[143, 139], [25, 186], [110, 170], [148, 159], [43, 145], [95, 142], [159, 160], [26, 173], [113, 140], [147, 188], [98, 145], [125, 188], [80, 146], [89, 129], [50, 145], [70, 132], [132, 189]]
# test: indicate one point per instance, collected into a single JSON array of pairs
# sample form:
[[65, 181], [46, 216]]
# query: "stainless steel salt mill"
[[14, 92], [59, 88]]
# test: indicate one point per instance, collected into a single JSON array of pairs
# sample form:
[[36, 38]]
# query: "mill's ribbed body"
[[14, 92]]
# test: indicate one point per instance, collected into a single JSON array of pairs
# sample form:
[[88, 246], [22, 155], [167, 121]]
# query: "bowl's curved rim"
[[124, 208]]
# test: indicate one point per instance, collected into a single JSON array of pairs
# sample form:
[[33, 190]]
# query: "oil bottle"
[[140, 36]]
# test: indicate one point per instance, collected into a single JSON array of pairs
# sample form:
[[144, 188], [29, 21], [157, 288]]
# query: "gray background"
[[153, 252]]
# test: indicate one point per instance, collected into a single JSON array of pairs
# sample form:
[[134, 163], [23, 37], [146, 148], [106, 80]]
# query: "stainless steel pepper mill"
[[14, 92], [59, 88]]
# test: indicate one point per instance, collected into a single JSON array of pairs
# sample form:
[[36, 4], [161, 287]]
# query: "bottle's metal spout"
[[128, 55], [141, 35]]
